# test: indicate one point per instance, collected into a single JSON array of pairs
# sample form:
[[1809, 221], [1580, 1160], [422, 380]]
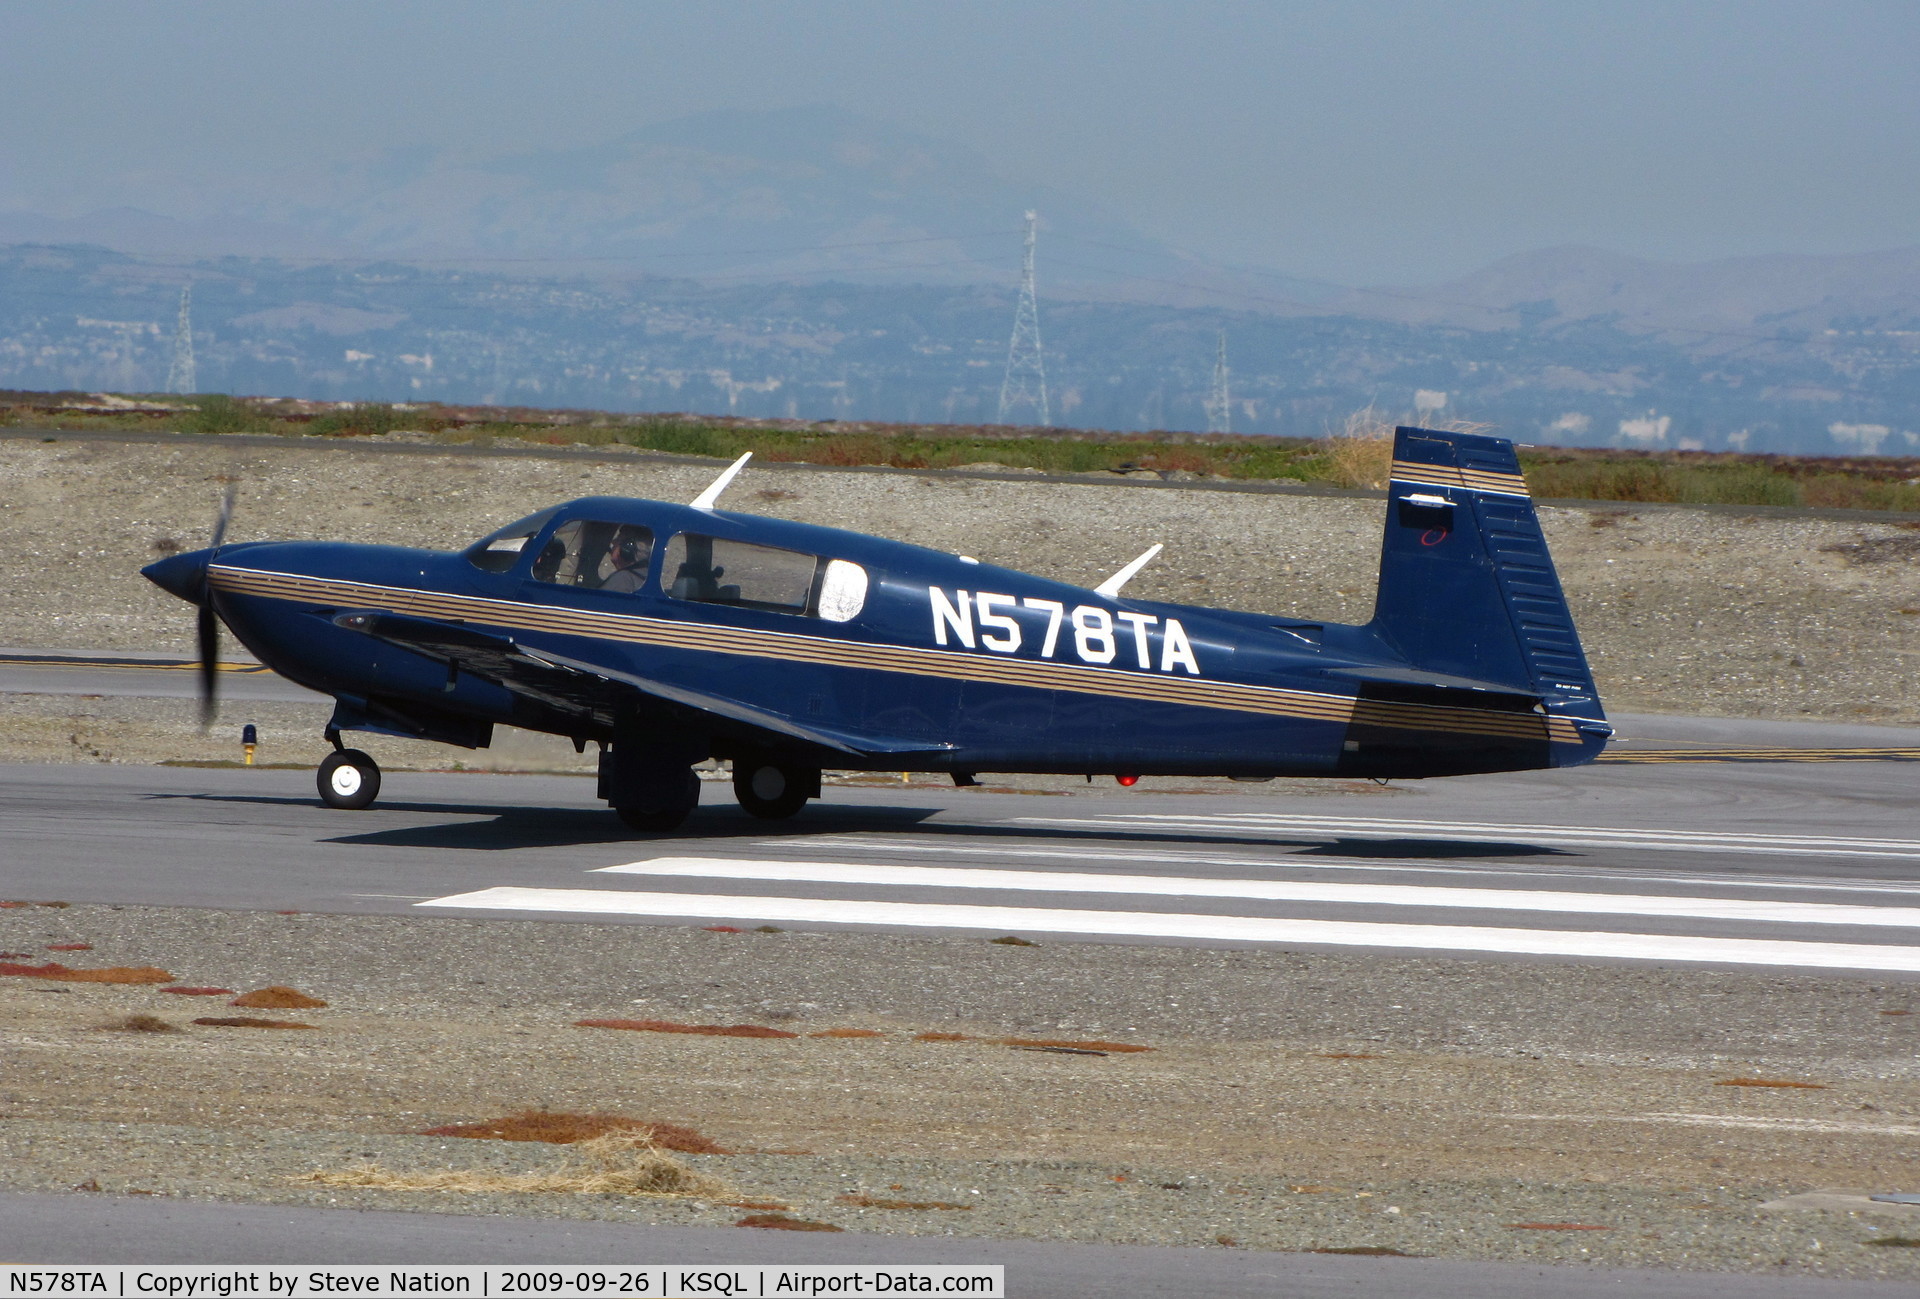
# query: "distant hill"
[[89, 318]]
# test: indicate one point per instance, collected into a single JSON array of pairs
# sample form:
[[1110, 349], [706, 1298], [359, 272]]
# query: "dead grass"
[[565, 1129], [668, 1026], [616, 1163], [109, 974], [140, 1024], [69, 947], [1768, 1082], [1012, 941], [781, 1222], [1361, 453], [848, 1032], [249, 1021], [876, 1202], [277, 997], [1116, 1048], [941, 1037]]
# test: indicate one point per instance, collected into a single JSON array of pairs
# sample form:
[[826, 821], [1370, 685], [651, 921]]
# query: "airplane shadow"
[[497, 829]]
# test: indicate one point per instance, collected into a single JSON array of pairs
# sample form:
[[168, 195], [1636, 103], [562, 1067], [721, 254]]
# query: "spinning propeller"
[[207, 622]]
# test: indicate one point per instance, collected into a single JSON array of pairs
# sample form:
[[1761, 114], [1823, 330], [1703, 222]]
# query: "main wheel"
[[772, 790], [348, 778], [663, 806]]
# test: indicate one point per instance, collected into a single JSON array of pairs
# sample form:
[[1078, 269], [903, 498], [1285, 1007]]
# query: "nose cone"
[[184, 575]]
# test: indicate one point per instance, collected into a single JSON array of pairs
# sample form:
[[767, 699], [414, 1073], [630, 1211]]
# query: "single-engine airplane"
[[672, 634]]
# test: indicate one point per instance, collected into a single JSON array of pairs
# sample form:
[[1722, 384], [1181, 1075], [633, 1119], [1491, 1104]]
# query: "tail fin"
[[1466, 585]]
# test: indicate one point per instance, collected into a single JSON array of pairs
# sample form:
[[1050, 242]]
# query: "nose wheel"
[[348, 778]]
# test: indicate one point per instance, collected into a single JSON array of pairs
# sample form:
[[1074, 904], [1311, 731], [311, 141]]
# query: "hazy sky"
[[1361, 142]]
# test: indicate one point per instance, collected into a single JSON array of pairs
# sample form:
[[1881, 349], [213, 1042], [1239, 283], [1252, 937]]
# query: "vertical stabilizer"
[[1466, 585]]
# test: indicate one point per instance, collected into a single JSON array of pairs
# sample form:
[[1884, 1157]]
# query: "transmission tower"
[[1026, 381], [180, 375], [1219, 409]]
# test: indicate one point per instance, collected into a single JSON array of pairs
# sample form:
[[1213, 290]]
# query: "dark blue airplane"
[[671, 634]]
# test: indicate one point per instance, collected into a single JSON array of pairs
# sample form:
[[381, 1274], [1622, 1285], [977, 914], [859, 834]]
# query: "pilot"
[[627, 557]]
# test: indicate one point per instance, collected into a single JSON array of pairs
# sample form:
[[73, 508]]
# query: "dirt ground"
[[1289, 1101]]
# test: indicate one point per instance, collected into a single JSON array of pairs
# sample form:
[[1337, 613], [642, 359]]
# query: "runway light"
[[1128, 780]]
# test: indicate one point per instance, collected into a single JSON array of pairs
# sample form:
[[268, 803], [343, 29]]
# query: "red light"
[[1128, 780]]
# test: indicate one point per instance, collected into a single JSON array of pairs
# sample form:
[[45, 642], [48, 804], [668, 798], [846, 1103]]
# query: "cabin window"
[[843, 591], [716, 570], [499, 551], [595, 554]]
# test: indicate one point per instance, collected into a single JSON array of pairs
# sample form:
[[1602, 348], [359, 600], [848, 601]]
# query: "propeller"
[[207, 623]]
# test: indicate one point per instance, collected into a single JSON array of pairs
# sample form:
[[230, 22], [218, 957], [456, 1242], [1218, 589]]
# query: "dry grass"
[[848, 1032], [110, 974], [876, 1202], [248, 1021], [571, 1129], [140, 1024], [1118, 1048], [780, 1222], [617, 1163], [278, 997], [941, 1037], [668, 1026], [1012, 941], [1769, 1082], [1361, 453], [69, 947]]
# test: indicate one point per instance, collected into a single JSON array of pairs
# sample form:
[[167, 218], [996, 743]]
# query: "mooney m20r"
[[672, 634]]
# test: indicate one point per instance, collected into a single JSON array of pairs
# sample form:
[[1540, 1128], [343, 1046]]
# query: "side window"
[[596, 555], [714, 570]]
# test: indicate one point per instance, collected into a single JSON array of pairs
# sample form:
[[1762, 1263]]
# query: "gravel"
[[1714, 610]]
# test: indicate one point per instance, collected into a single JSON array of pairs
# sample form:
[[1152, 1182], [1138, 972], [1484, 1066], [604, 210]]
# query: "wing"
[[592, 693]]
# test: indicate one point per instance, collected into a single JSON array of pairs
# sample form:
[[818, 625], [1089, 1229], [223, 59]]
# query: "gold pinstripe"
[[947, 665], [1478, 480]]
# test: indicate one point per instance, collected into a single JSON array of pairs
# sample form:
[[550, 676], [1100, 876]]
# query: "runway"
[[1810, 865]]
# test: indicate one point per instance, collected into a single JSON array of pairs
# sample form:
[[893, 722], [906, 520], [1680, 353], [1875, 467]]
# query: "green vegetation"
[[1358, 460]]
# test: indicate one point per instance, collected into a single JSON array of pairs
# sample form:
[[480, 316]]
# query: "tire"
[[349, 779], [773, 791], [666, 809]]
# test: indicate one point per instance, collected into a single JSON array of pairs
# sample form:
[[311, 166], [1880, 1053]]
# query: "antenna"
[[1219, 408], [1111, 587], [705, 500], [180, 375], [1026, 381]]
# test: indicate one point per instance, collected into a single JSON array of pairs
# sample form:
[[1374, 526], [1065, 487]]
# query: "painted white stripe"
[[1769, 910], [1303, 861], [1147, 924], [1547, 836], [1827, 1126]]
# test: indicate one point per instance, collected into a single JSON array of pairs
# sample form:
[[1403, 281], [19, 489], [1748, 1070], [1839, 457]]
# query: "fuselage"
[[970, 666]]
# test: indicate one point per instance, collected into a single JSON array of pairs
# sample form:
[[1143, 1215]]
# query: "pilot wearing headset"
[[627, 557]]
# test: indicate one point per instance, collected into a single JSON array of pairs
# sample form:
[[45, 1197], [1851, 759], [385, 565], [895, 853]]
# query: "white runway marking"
[[1482, 869], [1556, 836], [1397, 895], [1340, 933]]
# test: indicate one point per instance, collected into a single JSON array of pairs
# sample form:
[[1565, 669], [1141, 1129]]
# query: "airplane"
[[669, 635]]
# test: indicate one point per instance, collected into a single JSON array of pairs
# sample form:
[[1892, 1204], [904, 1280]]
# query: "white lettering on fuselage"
[[985, 619]]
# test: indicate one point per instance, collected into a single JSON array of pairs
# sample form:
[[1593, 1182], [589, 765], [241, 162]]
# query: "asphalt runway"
[[1787, 864]]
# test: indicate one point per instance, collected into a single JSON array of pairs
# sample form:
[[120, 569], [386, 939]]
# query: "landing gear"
[[661, 805], [348, 778], [773, 791]]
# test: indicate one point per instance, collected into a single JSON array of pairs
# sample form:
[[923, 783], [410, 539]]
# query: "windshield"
[[499, 551]]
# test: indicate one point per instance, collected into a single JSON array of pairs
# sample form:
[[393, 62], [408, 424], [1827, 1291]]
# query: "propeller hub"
[[184, 575]]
